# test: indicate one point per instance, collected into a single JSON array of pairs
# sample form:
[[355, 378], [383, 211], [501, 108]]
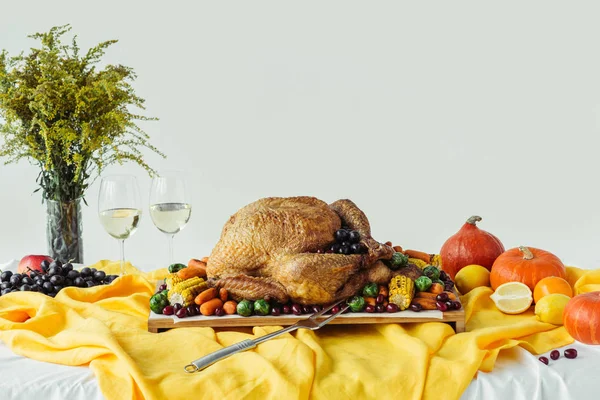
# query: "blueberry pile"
[[346, 242], [53, 277]]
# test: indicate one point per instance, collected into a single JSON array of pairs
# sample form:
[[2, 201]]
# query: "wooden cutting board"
[[158, 322]]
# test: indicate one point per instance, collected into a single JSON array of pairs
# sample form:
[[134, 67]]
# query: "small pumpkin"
[[527, 265], [581, 318], [470, 245]]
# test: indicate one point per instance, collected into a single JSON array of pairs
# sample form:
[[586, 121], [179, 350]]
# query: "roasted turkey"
[[268, 249]]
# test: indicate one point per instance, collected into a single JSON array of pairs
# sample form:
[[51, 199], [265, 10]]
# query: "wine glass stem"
[[122, 245], [171, 259]]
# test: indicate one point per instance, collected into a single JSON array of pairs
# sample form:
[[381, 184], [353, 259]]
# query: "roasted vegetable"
[[436, 288], [419, 263], [419, 255], [432, 272], [423, 283], [194, 269], [176, 267], [244, 308], [205, 296], [425, 303], [261, 307], [398, 260], [171, 280], [402, 290], [158, 302], [357, 304], [185, 292], [370, 290], [436, 261]]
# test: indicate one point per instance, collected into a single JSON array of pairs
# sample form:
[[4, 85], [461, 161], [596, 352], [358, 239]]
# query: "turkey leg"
[[355, 219]]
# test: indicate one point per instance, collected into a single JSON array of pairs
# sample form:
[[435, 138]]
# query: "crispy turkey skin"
[[268, 250]]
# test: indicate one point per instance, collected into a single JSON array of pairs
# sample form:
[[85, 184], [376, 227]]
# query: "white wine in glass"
[[119, 208], [170, 205]]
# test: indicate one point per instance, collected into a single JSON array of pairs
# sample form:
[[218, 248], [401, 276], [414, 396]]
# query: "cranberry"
[[297, 309], [544, 360], [456, 305], [571, 353], [448, 286], [335, 310], [307, 309], [319, 251], [287, 309], [177, 307], [181, 313], [443, 297], [555, 354], [380, 299], [197, 309], [415, 307], [219, 312], [275, 311], [450, 305], [162, 287], [392, 308], [441, 306], [169, 310], [379, 308], [316, 308], [370, 309]]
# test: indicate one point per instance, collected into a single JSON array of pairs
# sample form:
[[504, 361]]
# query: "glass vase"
[[64, 230]]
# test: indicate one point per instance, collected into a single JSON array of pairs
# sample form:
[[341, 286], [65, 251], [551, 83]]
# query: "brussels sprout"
[[432, 272], [357, 304], [158, 302], [261, 307], [438, 281], [423, 283], [166, 293], [244, 308], [371, 290], [398, 260], [176, 267]]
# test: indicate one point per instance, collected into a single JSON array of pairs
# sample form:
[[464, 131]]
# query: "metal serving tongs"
[[308, 323]]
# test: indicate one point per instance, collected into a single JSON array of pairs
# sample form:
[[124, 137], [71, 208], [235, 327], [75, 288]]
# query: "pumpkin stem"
[[474, 220], [527, 254]]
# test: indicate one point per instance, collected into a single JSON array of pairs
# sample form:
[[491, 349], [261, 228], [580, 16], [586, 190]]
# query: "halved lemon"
[[512, 298]]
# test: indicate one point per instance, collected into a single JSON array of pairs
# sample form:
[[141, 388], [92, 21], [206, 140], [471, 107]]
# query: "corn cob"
[[419, 263], [185, 292], [436, 261], [402, 291], [171, 280]]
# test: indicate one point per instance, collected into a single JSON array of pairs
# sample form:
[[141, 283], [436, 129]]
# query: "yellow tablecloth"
[[105, 328]]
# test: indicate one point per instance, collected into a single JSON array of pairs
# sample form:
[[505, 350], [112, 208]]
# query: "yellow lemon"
[[512, 297], [470, 277], [550, 308]]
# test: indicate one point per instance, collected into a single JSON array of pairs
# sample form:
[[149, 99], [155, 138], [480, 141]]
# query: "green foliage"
[[64, 113]]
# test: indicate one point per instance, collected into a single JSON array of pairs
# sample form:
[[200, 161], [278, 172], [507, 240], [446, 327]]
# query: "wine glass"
[[170, 205], [119, 208]]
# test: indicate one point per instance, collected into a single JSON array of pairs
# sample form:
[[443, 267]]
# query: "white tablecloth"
[[518, 375]]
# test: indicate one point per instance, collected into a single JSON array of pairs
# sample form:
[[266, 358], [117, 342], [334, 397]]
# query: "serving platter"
[[158, 322]]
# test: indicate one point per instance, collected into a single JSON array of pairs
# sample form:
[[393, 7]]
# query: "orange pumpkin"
[[581, 318], [527, 265], [551, 285], [470, 245]]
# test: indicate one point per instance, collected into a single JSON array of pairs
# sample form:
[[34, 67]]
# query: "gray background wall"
[[423, 113]]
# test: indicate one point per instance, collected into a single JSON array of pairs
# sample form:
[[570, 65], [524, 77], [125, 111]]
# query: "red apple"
[[32, 262]]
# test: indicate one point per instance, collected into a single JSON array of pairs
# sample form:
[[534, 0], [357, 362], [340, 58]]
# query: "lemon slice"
[[512, 298]]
